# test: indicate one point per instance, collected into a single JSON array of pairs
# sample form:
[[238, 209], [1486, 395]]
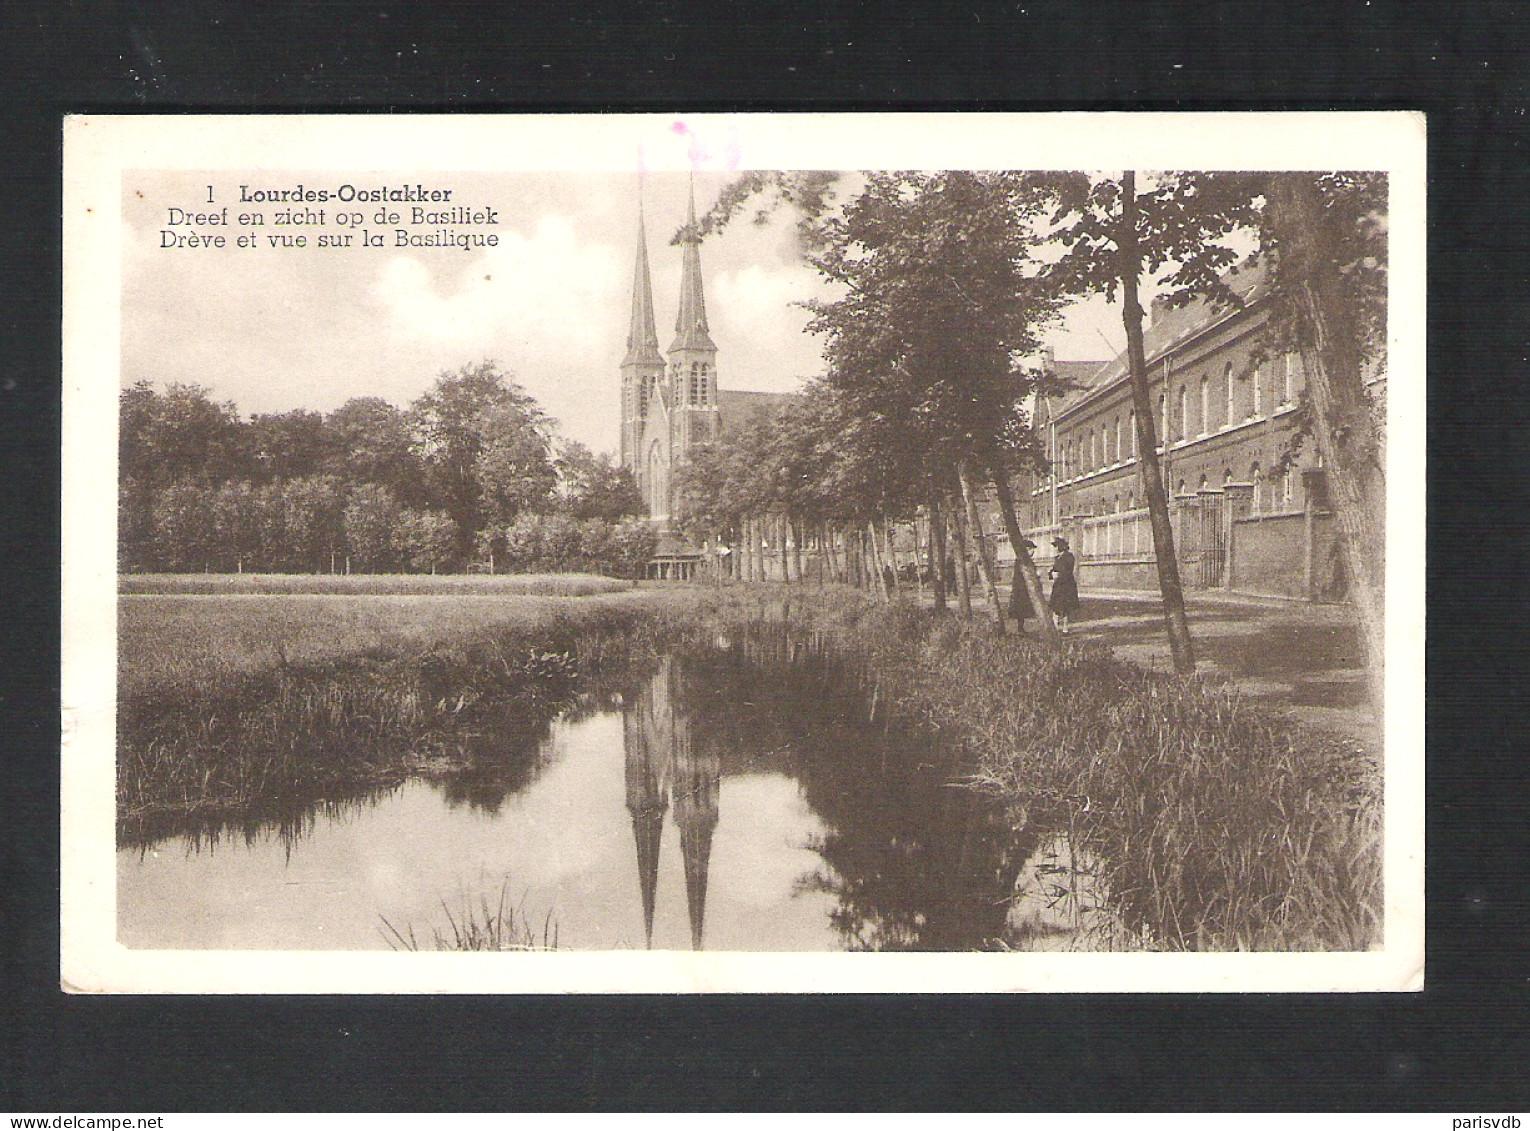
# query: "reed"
[[480, 925]]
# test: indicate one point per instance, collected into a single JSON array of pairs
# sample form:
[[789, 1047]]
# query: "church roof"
[[1170, 329], [691, 332], [642, 335], [737, 406]]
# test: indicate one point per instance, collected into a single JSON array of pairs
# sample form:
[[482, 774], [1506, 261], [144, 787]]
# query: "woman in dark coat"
[[1019, 600], [1064, 599]]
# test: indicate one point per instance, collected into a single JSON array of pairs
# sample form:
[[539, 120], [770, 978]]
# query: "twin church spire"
[[691, 330], [669, 405]]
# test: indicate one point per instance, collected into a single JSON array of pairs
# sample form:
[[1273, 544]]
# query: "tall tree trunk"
[[938, 553], [1180, 646], [980, 546], [891, 554], [921, 551], [963, 576], [1026, 580], [1341, 420], [878, 570], [796, 530]]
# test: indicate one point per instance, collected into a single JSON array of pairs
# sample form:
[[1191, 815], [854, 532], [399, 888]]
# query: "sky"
[[276, 329]]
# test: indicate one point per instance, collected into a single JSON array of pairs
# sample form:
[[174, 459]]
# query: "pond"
[[750, 795]]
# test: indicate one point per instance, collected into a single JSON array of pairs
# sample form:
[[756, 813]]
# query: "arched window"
[[1204, 482], [1261, 375], [1094, 449], [1131, 434], [1231, 384], [1226, 476], [1120, 452], [1184, 407], [1180, 490], [1205, 405], [1288, 378], [1286, 487], [1164, 435]]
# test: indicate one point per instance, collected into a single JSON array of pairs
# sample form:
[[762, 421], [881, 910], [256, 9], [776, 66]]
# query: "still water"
[[746, 796]]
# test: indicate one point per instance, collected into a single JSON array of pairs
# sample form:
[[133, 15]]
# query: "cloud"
[[534, 289], [753, 310]]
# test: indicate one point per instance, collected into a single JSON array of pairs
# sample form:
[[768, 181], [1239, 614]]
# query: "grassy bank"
[[1212, 824], [177, 645], [240, 706]]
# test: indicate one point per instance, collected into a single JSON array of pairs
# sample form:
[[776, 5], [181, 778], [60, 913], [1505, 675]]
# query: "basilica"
[[671, 401]]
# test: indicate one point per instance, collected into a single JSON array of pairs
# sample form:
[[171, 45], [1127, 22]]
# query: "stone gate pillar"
[[1240, 504]]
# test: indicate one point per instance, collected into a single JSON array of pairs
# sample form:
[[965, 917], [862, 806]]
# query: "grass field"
[[175, 645], [372, 584]]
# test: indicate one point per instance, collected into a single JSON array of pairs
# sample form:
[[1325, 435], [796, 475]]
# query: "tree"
[[485, 444], [371, 513], [1112, 235], [1326, 239], [183, 527], [373, 444], [425, 540], [514, 468], [942, 300], [288, 445], [311, 519], [591, 486], [189, 436], [236, 524]]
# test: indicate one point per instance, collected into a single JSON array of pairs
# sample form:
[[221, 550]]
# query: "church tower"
[[643, 366], [693, 354], [668, 408]]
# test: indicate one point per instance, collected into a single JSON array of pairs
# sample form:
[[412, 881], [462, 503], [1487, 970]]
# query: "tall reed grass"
[[498, 926]]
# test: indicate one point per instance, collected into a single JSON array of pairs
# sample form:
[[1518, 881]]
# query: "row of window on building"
[[1273, 493], [1234, 399]]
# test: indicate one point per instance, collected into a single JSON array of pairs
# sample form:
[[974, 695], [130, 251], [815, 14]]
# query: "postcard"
[[791, 553]]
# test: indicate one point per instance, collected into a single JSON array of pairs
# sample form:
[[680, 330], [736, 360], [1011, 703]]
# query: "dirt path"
[[1303, 658]]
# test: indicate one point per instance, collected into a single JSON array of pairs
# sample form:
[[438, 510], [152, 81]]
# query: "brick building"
[[1246, 497]]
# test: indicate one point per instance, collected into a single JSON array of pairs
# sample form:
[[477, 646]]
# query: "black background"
[[1460, 1046]]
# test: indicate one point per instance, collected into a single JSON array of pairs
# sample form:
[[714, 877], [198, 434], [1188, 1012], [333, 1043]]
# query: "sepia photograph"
[[798, 553]]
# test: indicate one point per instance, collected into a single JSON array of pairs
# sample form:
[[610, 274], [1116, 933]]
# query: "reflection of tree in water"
[[498, 763], [913, 862], [287, 824], [494, 753]]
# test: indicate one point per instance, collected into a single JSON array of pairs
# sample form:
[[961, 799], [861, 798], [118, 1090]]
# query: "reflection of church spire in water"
[[698, 775], [647, 731], [664, 767]]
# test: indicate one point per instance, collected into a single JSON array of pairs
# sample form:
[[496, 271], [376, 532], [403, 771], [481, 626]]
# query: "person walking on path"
[[1064, 599]]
